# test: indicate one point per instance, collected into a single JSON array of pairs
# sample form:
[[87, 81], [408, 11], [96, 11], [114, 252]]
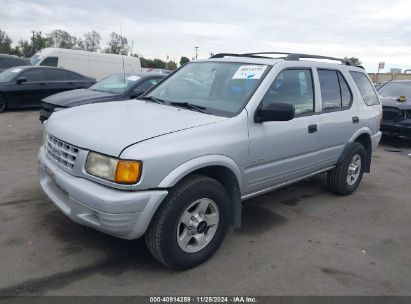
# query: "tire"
[[3, 103], [342, 182], [167, 225]]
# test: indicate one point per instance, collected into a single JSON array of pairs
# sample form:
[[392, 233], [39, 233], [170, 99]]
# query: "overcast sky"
[[375, 30]]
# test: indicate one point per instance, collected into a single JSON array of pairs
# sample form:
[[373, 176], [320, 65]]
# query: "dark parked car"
[[26, 86], [112, 88], [9, 61], [396, 101]]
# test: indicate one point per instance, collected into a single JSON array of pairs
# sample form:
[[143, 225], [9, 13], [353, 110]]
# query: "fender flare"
[[201, 162], [351, 141], [206, 161]]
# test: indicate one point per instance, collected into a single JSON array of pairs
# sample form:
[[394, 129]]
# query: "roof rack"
[[308, 56], [288, 56], [251, 55]]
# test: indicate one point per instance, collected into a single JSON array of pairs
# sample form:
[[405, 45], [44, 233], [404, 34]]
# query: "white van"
[[92, 64]]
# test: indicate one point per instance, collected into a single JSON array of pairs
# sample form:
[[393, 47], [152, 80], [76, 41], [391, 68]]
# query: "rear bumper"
[[125, 214], [398, 129]]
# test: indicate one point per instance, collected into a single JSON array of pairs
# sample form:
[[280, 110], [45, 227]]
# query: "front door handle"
[[355, 119], [312, 128]]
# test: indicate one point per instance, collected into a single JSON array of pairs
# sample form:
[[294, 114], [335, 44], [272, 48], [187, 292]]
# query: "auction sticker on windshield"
[[250, 72]]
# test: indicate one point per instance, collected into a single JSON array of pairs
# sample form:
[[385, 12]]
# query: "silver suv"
[[176, 164]]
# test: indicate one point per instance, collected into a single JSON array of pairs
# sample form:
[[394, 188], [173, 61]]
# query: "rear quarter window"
[[75, 76], [365, 87], [57, 75]]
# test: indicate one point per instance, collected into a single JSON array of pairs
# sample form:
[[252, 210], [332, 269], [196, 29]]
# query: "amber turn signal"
[[128, 171]]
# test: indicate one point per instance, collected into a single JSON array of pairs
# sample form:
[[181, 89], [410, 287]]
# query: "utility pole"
[[196, 50], [131, 51], [381, 65], [33, 50]]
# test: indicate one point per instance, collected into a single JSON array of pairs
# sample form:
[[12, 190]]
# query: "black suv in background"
[[395, 96], [9, 61], [26, 86]]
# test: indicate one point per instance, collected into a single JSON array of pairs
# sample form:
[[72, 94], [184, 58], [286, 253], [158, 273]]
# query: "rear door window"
[[346, 95], [335, 92], [365, 87]]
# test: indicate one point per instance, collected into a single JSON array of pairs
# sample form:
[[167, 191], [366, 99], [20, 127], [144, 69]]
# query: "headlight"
[[113, 169]]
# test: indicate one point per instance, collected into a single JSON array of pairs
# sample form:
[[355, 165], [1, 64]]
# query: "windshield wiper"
[[190, 106], [153, 99]]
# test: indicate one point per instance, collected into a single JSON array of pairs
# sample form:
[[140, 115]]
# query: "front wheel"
[[346, 177], [190, 224]]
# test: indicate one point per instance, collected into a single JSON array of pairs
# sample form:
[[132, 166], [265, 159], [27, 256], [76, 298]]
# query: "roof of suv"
[[274, 57]]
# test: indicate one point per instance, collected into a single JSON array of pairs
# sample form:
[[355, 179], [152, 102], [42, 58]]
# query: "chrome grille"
[[62, 153]]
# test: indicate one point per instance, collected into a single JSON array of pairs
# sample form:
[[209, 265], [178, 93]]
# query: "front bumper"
[[399, 129], [125, 214]]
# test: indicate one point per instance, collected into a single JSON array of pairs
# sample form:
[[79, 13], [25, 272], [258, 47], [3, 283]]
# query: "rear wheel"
[[3, 103], [190, 224], [346, 177]]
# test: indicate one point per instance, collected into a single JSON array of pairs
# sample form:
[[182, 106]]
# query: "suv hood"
[[79, 97], [110, 127]]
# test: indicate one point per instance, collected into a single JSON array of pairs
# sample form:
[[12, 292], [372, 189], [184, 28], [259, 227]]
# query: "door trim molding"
[[259, 192]]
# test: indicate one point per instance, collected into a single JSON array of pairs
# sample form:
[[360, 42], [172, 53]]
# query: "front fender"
[[201, 162]]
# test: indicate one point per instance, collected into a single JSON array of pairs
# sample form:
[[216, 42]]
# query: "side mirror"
[[21, 79], [275, 112], [137, 93]]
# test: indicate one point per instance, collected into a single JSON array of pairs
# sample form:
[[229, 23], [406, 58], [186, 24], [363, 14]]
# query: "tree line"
[[117, 44]]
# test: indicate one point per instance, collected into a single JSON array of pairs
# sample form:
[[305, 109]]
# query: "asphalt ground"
[[300, 240]]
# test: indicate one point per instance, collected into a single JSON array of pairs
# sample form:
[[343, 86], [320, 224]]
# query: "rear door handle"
[[312, 128], [355, 119]]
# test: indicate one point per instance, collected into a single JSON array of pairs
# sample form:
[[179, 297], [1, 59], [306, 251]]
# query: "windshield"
[[115, 84], [36, 58], [221, 88], [396, 89], [9, 74]]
